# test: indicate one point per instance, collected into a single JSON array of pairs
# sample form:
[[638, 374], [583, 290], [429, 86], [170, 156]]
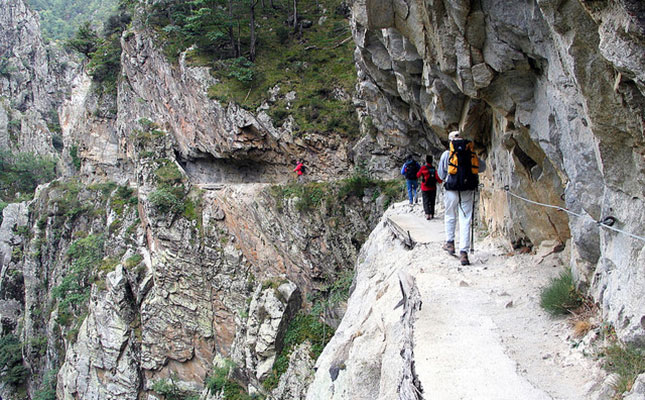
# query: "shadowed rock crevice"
[[208, 169]]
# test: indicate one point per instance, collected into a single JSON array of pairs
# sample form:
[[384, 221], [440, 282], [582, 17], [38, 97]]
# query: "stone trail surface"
[[479, 334]]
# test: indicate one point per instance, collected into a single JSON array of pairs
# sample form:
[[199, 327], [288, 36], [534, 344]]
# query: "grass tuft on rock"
[[561, 295], [627, 362]]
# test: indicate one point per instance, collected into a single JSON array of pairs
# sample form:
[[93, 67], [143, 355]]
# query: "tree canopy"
[[59, 19]]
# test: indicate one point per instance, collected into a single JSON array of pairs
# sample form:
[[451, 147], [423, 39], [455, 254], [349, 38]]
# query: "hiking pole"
[[472, 225]]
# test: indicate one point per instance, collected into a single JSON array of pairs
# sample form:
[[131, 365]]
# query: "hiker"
[[459, 168], [409, 170], [300, 170], [429, 179]]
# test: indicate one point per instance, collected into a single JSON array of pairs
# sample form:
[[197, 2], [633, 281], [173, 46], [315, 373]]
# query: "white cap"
[[453, 135]]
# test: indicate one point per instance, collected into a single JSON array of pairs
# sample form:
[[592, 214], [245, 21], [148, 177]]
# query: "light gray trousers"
[[462, 203]]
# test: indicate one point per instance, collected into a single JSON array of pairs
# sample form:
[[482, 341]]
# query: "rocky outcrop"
[[215, 142], [33, 83], [269, 313], [160, 292], [553, 95], [298, 376], [370, 356]]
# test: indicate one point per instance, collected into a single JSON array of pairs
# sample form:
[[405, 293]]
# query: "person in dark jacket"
[[429, 179], [409, 171]]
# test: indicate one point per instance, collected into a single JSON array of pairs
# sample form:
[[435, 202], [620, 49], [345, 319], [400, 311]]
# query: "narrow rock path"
[[480, 333]]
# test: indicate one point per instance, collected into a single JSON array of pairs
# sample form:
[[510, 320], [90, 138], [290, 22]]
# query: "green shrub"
[[22, 172], [334, 294], [124, 196], [170, 195], [85, 40], [6, 69], [561, 296], [627, 362], [11, 369], [241, 69], [168, 389], [167, 199], [282, 34], [220, 382], [47, 390], [39, 345], [73, 292], [73, 153], [133, 261], [355, 186], [304, 327], [169, 173], [309, 195]]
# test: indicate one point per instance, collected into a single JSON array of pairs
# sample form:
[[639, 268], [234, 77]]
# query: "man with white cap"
[[458, 168]]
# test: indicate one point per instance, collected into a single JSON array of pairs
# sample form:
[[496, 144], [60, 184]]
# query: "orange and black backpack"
[[463, 166]]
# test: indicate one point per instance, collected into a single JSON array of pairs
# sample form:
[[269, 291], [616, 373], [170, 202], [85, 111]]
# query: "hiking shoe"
[[428, 216], [450, 248], [464, 258]]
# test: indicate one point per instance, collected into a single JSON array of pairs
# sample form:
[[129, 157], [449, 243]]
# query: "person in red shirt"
[[429, 180], [300, 169]]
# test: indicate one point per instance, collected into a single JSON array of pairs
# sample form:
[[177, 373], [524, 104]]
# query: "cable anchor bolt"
[[608, 221]]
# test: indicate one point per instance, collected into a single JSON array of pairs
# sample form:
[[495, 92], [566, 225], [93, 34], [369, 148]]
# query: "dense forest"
[[59, 19]]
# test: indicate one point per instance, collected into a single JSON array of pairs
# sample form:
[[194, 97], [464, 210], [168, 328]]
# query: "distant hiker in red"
[[300, 170], [429, 180]]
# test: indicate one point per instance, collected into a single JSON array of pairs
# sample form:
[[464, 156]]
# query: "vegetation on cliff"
[[20, 174], [103, 49], [254, 47], [59, 19], [561, 296]]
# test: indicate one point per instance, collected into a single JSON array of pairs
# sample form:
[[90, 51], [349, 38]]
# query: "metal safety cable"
[[605, 223]]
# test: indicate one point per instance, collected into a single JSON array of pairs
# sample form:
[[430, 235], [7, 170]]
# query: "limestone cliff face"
[[33, 82], [553, 94], [122, 295]]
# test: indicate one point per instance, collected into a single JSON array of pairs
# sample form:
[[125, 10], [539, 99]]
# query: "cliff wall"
[[552, 94]]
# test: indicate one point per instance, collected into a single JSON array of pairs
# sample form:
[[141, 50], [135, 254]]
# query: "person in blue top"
[[409, 170]]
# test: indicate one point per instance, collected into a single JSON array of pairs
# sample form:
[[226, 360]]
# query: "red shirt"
[[298, 169], [426, 185]]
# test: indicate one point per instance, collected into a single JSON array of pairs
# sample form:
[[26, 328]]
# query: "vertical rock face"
[[270, 311], [369, 356], [33, 81], [214, 142], [552, 93]]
